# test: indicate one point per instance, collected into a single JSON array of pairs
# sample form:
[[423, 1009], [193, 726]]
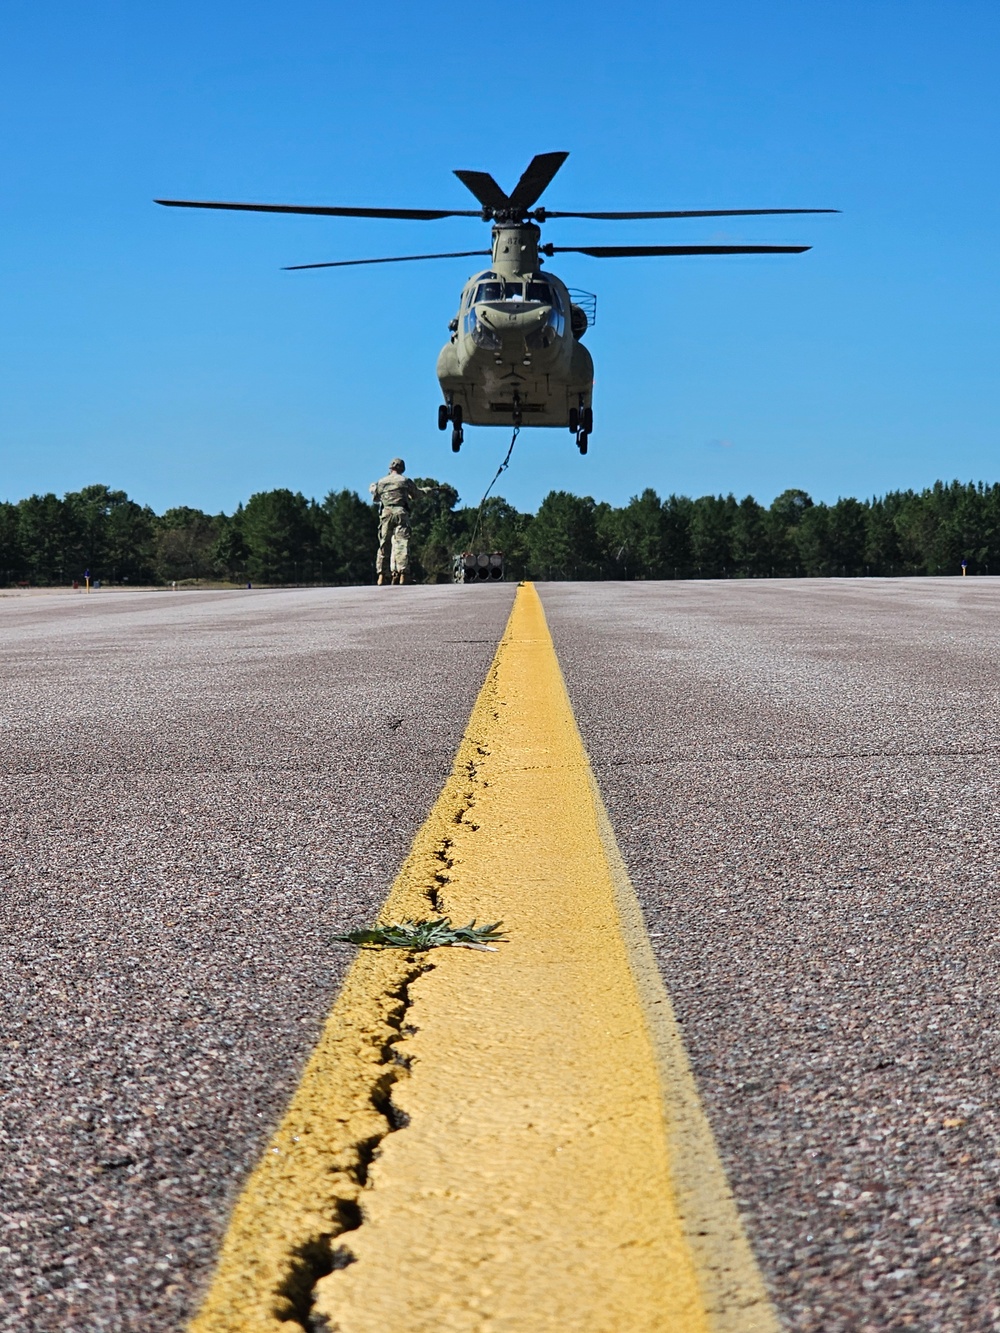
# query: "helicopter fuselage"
[[515, 354]]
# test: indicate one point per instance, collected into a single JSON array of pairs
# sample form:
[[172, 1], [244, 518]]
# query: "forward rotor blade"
[[392, 259], [484, 187], [541, 169], [625, 251], [411, 214], [544, 213]]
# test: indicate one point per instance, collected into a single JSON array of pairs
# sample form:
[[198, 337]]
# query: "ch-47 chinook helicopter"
[[515, 355]]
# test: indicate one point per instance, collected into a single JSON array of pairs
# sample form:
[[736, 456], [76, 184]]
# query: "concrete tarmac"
[[198, 789], [803, 778], [201, 787]]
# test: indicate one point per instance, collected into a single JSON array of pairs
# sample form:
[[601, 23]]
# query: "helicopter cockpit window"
[[540, 291], [500, 291]]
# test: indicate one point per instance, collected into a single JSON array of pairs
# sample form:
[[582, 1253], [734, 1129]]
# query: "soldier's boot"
[[397, 578], [382, 580], [405, 578]]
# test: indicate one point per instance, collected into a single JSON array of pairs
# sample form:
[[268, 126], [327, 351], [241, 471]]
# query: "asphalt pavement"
[[803, 778], [198, 789]]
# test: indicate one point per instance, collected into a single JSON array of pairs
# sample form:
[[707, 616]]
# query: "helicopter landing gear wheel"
[[457, 416], [456, 439], [574, 421], [444, 416], [587, 419], [581, 441]]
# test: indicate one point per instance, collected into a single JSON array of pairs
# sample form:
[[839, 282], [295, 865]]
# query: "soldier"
[[395, 494]]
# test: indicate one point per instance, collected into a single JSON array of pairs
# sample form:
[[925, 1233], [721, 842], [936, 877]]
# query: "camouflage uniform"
[[395, 494]]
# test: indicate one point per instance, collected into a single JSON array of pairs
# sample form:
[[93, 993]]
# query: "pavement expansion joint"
[[794, 757]]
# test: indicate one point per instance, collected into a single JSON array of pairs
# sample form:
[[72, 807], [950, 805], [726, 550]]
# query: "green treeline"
[[281, 537]]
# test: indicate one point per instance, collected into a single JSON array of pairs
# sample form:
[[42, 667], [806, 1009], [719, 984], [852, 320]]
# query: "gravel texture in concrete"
[[803, 777], [198, 789]]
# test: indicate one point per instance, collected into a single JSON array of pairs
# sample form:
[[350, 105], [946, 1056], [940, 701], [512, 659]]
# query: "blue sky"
[[164, 352]]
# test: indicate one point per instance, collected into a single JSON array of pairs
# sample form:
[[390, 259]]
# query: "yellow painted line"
[[552, 1169]]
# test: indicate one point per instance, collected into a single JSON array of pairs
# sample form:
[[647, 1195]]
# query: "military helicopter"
[[515, 355]]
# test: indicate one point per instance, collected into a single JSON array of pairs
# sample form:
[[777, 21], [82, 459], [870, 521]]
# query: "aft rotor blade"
[[407, 214], [544, 213], [485, 188], [541, 169], [392, 259], [625, 251]]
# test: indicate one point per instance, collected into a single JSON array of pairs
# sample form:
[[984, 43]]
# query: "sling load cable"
[[501, 468]]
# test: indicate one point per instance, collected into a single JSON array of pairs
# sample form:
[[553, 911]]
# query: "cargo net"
[[478, 567]]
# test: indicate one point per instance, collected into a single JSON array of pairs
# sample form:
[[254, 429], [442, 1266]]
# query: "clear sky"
[[164, 352]]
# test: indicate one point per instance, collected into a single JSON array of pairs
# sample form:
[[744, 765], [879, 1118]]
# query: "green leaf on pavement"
[[432, 933]]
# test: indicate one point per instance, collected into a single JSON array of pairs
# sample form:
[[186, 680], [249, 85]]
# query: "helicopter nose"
[[514, 322]]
